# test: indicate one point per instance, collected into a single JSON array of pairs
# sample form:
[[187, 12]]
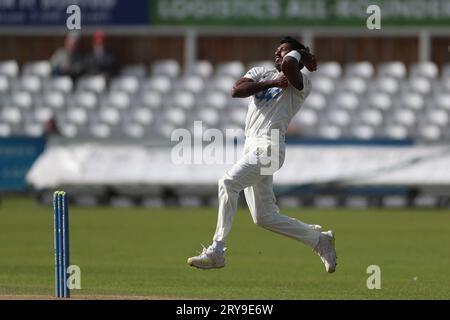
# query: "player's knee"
[[261, 220], [258, 221], [225, 184]]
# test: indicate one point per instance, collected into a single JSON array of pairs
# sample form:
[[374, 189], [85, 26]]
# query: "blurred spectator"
[[51, 128], [293, 130], [100, 61], [68, 61]]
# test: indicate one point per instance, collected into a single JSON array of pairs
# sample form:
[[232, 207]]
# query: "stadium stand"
[[356, 100]]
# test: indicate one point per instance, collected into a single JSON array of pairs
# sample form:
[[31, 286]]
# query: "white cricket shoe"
[[327, 251], [208, 259]]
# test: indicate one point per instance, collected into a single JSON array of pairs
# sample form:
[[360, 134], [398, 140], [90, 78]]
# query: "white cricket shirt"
[[275, 107]]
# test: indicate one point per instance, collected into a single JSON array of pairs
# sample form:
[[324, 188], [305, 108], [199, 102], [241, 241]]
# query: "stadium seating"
[[357, 100]]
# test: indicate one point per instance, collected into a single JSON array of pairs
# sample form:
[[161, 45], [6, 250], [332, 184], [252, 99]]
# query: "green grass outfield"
[[142, 252]]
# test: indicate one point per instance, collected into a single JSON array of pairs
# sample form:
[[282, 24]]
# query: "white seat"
[[443, 101], [197, 134], [387, 84], [445, 84], [134, 130], [136, 70], [86, 99], [110, 116], [69, 130], [100, 130], [128, 84], [380, 100], [363, 132], [77, 116], [323, 85], [329, 69], [151, 99], [330, 132], [355, 84], [396, 69], [168, 67], [339, 117], [22, 99], [425, 69], [306, 117], [142, 116], [175, 116], [34, 129], [54, 99], [372, 117], [405, 117], [430, 132], [420, 84], [413, 101], [183, 99], [4, 84], [360, 69], [215, 99], [11, 115], [233, 69], [396, 132], [5, 130], [29, 83], [63, 84], [202, 68], [95, 83], [192, 83], [41, 69], [158, 83], [238, 116], [43, 114], [223, 83], [166, 129], [209, 116], [437, 116], [119, 100], [446, 70], [9, 68], [347, 100], [315, 101]]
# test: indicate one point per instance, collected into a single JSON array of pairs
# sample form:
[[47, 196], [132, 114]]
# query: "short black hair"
[[295, 44]]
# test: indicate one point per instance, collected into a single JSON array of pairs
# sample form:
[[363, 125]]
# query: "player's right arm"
[[246, 87], [254, 81]]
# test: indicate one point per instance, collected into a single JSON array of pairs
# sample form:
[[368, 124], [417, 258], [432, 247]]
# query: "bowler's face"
[[280, 52]]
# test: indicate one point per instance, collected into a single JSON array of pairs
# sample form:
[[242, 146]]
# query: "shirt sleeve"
[[255, 73]]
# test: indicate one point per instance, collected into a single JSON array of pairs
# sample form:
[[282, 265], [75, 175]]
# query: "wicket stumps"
[[61, 230]]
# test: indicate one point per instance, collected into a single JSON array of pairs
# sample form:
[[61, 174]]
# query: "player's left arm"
[[290, 67]]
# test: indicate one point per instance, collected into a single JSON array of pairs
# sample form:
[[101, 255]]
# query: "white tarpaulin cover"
[[97, 164]]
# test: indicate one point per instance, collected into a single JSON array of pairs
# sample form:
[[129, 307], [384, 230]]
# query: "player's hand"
[[308, 60], [281, 81]]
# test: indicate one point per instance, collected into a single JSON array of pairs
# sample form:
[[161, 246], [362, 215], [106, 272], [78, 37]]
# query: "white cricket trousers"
[[258, 188]]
